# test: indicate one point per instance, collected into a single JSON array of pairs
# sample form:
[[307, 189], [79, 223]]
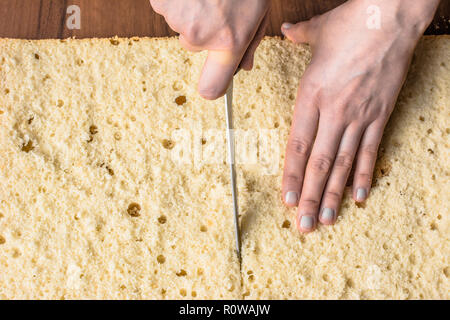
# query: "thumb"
[[217, 73], [297, 33]]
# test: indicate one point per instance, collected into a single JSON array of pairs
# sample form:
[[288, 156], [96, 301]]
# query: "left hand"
[[345, 99]]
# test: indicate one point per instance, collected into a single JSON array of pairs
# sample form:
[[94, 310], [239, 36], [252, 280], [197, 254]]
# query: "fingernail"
[[361, 194], [307, 222], [291, 198], [327, 215], [286, 25]]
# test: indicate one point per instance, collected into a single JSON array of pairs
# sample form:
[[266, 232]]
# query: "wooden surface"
[[37, 19]]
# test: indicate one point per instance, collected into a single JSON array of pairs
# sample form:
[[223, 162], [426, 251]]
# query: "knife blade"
[[231, 161]]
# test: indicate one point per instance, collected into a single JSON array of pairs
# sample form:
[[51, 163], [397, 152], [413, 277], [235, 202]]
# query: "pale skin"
[[345, 96]]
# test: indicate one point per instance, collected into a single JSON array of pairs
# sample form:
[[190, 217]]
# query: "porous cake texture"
[[114, 182]]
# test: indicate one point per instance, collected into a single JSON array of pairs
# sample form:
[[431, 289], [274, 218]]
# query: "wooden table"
[[37, 19]]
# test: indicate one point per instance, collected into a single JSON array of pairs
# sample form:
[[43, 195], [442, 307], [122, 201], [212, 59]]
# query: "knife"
[[231, 161]]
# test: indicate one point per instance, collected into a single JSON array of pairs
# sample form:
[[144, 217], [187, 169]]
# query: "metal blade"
[[231, 161]]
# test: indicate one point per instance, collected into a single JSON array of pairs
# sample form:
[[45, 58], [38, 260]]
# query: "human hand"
[[230, 30], [345, 99]]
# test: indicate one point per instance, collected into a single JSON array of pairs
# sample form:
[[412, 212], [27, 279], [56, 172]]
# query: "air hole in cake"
[[114, 42], [286, 224], [433, 226], [251, 278], [350, 283], [291, 97], [117, 136], [200, 271], [2, 240], [162, 219], [247, 115], [325, 277], [110, 171], [276, 125], [30, 120], [181, 273], [430, 151], [421, 118], [447, 130], [258, 89], [447, 271], [93, 129], [7, 91], [79, 62], [60, 103], [429, 131], [439, 217], [194, 294], [203, 229], [177, 86], [27, 147], [183, 292], [168, 144], [36, 56], [203, 141], [144, 89], [180, 100], [360, 204], [16, 253], [134, 209], [161, 259]]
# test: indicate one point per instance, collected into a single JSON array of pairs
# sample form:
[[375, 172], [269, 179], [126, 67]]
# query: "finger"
[[334, 189], [318, 169], [297, 33], [188, 46], [301, 137], [366, 158], [217, 73], [247, 59]]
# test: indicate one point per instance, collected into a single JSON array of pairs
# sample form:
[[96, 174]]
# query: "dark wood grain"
[[38, 19]]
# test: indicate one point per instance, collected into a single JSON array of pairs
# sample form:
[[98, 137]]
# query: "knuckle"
[[370, 150], [344, 161], [309, 205], [321, 163], [191, 34], [299, 147], [292, 179], [332, 195], [365, 178]]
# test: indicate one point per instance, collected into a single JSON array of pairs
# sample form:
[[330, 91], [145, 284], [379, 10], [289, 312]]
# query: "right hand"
[[230, 30]]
